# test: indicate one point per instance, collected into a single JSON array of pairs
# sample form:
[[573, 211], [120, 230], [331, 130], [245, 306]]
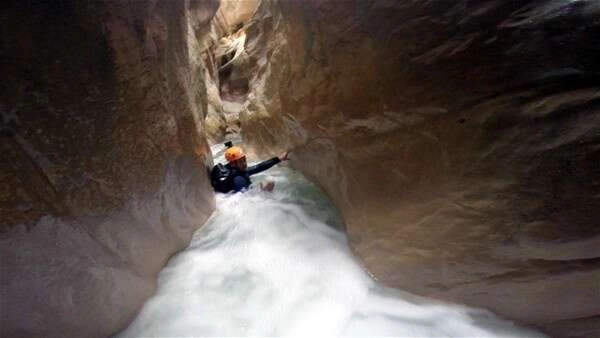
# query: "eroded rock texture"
[[103, 173], [227, 81], [460, 139]]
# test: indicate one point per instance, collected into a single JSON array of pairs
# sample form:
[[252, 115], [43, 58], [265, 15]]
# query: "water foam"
[[273, 264]]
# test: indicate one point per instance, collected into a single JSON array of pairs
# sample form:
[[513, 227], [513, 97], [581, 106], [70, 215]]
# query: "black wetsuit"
[[240, 179]]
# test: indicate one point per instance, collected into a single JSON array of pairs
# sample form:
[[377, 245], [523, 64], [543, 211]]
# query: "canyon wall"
[[460, 140], [226, 86], [104, 157]]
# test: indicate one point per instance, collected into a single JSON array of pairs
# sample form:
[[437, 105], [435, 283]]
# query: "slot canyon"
[[453, 145]]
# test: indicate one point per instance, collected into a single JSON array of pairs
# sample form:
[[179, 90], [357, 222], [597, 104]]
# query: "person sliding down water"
[[235, 175]]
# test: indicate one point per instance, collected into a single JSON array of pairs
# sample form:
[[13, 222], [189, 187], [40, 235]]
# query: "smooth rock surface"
[[104, 157], [459, 139]]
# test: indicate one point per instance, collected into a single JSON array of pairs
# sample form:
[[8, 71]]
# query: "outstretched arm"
[[262, 166]]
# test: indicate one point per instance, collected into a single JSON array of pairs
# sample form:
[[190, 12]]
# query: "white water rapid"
[[273, 264]]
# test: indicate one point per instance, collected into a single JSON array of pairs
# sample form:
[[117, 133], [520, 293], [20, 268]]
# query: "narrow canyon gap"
[[460, 142]]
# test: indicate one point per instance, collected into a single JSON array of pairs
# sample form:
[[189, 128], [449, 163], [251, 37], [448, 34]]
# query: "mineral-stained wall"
[[460, 140], [103, 154]]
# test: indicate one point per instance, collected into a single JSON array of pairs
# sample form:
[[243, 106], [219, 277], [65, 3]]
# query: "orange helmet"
[[234, 154]]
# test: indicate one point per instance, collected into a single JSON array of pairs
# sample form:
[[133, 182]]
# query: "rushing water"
[[273, 264]]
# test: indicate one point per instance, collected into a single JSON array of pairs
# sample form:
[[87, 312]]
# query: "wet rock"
[[226, 80], [104, 157], [458, 139]]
